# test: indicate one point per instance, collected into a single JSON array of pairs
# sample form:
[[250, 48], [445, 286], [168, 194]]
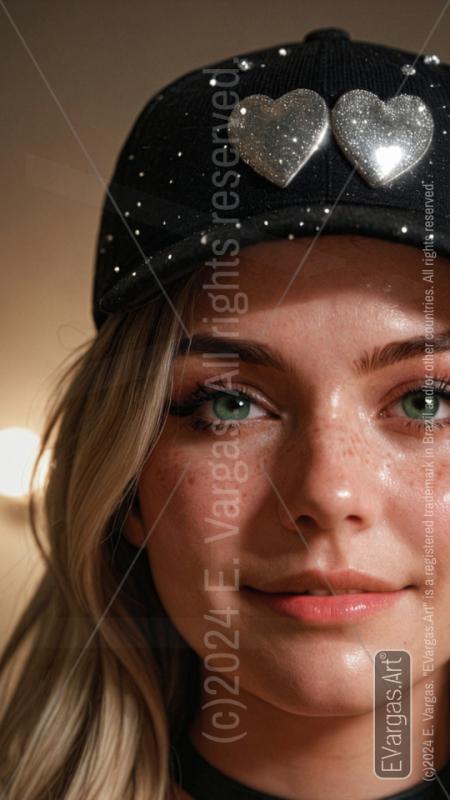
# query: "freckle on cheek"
[[443, 474]]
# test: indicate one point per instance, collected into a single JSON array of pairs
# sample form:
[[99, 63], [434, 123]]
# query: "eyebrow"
[[399, 351], [252, 352]]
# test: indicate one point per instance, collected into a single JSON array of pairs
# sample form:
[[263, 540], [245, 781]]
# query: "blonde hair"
[[97, 683]]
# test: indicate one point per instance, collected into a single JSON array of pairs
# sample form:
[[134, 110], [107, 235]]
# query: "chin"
[[312, 699], [335, 681]]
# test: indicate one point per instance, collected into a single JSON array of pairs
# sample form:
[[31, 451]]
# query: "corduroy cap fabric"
[[180, 194]]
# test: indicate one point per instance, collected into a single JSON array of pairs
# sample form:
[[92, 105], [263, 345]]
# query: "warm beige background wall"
[[73, 78]]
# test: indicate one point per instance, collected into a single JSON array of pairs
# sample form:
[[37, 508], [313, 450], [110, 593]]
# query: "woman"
[[247, 511]]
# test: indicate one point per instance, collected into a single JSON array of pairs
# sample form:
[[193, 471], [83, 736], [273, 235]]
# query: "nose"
[[329, 481]]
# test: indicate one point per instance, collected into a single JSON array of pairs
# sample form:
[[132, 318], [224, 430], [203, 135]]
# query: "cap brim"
[[144, 280]]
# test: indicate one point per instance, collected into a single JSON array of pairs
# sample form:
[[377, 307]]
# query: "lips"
[[321, 582], [326, 610], [325, 592]]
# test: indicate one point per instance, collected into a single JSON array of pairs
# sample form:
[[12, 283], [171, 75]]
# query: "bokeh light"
[[18, 450]]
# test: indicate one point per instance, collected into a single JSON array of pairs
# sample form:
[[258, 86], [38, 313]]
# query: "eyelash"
[[202, 394]]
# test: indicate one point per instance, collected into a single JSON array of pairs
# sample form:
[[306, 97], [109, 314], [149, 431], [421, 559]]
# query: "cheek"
[[437, 536], [209, 530], [198, 509], [199, 486], [427, 528], [420, 492], [410, 480]]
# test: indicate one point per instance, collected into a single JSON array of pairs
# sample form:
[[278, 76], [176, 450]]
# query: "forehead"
[[331, 269]]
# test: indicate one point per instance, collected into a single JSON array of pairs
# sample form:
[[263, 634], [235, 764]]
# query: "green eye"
[[229, 408], [419, 405], [227, 405]]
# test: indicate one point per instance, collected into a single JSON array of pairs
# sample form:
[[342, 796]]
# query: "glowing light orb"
[[18, 450]]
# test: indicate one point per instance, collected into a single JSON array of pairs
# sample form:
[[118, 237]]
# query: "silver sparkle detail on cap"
[[116, 269], [263, 135], [282, 51], [408, 69], [432, 60], [387, 139], [244, 64]]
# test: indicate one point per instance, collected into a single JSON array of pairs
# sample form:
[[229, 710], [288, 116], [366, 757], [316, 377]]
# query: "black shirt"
[[203, 781]]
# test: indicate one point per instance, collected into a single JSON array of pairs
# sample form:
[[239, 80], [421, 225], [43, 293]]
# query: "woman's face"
[[327, 470]]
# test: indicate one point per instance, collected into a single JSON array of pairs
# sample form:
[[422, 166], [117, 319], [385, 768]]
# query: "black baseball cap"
[[322, 136]]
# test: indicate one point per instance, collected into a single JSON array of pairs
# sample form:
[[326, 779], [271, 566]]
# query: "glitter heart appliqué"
[[277, 137], [382, 139]]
